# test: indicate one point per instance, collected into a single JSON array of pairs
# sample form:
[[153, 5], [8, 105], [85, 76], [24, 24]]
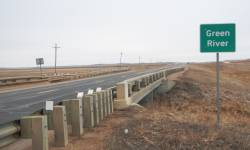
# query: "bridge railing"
[[134, 89]]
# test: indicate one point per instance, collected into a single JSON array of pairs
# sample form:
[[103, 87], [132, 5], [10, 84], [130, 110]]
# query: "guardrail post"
[[108, 102], [67, 105], [60, 126], [77, 117], [26, 126], [100, 104], [88, 112], [35, 127], [105, 109], [49, 114], [96, 109], [111, 101], [39, 133], [74, 115]]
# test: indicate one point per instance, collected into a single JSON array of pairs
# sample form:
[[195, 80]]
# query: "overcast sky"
[[96, 31]]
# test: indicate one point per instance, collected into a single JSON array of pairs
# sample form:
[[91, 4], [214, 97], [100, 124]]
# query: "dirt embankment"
[[185, 118]]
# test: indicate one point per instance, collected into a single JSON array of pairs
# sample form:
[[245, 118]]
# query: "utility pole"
[[121, 60], [139, 59], [55, 47], [41, 70]]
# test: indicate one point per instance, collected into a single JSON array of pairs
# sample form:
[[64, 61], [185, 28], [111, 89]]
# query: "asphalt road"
[[15, 104]]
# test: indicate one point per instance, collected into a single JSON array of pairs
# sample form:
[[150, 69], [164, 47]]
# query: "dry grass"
[[73, 70], [67, 73], [185, 118]]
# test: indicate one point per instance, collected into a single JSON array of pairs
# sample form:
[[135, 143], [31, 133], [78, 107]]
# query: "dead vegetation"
[[185, 117]]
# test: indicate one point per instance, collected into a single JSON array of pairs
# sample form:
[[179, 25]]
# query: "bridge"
[[133, 90], [22, 111]]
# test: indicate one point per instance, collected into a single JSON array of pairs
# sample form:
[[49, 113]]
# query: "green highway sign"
[[217, 38]]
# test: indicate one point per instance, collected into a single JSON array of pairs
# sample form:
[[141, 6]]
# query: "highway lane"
[[15, 104]]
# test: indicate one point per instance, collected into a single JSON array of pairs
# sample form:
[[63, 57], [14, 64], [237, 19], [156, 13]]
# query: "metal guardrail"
[[8, 133], [22, 79], [64, 77]]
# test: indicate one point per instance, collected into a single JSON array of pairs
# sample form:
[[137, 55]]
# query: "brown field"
[[67, 72], [72, 70]]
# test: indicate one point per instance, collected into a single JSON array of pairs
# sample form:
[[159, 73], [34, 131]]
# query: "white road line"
[[46, 91], [100, 81]]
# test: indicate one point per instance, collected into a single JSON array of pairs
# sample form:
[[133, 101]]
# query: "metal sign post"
[[217, 38], [41, 70], [40, 62], [218, 100]]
